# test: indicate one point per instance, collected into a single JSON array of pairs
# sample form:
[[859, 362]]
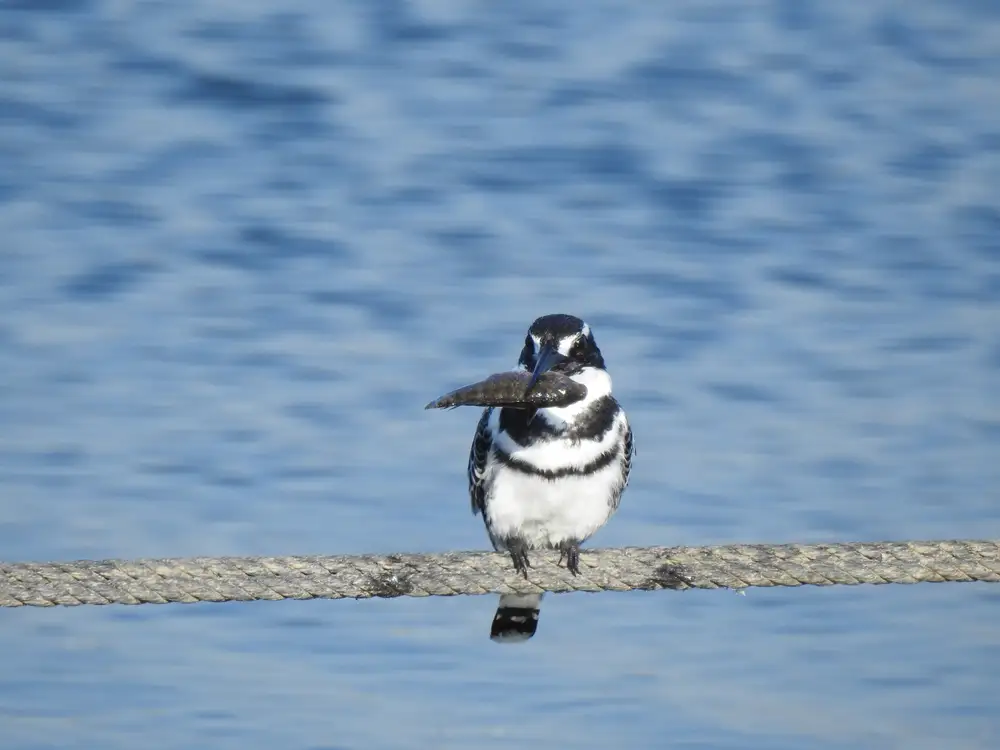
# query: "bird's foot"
[[571, 552], [519, 554]]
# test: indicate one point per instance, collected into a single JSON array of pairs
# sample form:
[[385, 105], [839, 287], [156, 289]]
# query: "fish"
[[510, 389]]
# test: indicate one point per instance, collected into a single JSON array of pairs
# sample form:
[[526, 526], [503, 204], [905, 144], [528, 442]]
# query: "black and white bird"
[[549, 478]]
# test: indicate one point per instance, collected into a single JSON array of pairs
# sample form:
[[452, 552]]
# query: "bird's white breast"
[[546, 512]]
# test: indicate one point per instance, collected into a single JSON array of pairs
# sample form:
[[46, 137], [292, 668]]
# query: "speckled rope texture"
[[204, 579]]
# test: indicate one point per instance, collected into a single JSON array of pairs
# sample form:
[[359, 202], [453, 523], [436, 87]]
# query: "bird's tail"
[[516, 618]]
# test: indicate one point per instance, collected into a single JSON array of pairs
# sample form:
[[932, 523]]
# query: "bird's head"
[[562, 343]]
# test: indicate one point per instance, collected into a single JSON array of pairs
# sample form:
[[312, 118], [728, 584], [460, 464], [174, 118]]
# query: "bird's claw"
[[519, 555], [571, 553]]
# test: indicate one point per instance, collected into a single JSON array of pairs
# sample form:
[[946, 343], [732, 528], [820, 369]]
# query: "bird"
[[549, 478]]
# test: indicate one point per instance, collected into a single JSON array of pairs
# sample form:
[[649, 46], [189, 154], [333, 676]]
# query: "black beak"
[[548, 358]]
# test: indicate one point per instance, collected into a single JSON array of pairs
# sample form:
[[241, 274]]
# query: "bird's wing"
[[478, 455], [628, 450]]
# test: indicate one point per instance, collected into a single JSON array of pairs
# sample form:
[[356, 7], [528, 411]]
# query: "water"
[[243, 246]]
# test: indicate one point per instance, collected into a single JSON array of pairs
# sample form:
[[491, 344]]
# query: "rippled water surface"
[[243, 243]]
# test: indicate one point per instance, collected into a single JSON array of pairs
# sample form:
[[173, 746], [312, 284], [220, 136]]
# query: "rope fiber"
[[204, 579]]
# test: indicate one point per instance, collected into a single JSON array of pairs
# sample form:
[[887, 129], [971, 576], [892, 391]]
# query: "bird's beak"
[[548, 357]]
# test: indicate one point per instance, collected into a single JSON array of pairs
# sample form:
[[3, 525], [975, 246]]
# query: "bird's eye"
[[576, 351]]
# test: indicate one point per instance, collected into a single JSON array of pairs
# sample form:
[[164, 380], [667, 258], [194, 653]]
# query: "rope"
[[204, 579]]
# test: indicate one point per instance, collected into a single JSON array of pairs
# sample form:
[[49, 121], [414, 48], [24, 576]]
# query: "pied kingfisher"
[[548, 478]]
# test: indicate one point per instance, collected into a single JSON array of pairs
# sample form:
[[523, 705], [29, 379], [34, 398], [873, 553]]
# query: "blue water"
[[244, 243]]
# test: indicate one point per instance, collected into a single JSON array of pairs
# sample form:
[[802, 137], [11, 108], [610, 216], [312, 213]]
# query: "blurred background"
[[243, 243]]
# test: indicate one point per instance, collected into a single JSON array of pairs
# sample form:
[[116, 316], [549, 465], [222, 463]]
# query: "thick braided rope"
[[204, 579]]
